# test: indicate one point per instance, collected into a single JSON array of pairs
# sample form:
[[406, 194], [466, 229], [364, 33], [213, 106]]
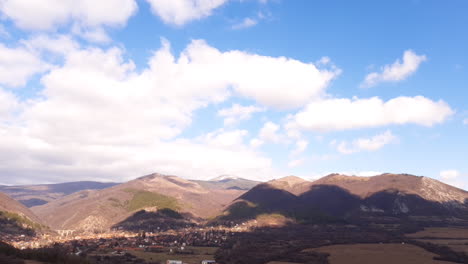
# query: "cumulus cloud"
[[8, 105], [205, 69], [18, 65], [397, 71], [365, 144], [449, 174], [453, 177], [99, 116], [345, 114], [222, 138], [301, 146], [237, 113], [50, 14], [268, 134], [180, 12]]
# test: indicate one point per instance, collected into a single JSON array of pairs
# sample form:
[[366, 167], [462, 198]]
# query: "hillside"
[[102, 209], [34, 195], [340, 197], [228, 182], [16, 219]]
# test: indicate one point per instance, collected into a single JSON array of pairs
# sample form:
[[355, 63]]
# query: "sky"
[[111, 90]]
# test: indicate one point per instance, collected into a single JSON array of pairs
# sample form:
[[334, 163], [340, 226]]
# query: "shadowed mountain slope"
[[16, 219], [339, 197]]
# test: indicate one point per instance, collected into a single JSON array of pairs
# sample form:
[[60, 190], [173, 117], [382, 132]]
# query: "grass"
[[378, 253], [200, 253], [441, 232], [455, 238], [21, 220], [142, 199]]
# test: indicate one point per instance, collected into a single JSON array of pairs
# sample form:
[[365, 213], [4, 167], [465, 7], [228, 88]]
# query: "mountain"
[[33, 195], [228, 182], [340, 197], [103, 209], [16, 219], [292, 184]]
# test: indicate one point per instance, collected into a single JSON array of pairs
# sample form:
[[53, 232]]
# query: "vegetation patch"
[[142, 199], [20, 220]]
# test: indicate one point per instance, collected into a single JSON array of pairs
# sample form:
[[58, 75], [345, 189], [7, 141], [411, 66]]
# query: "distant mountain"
[[226, 177], [16, 219], [228, 182], [34, 195], [114, 206], [339, 197]]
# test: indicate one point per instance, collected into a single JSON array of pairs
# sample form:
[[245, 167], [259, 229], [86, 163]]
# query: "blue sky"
[[255, 88]]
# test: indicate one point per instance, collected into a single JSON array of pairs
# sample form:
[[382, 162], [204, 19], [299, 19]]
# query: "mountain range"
[[167, 201], [33, 195], [102, 209], [350, 198]]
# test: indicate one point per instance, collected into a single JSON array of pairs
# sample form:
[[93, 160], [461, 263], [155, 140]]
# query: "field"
[[378, 253], [454, 237], [441, 232], [200, 253]]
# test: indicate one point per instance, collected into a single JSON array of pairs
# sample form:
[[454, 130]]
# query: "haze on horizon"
[[117, 89]]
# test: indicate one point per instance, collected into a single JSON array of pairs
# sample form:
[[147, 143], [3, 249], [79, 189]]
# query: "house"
[[173, 262]]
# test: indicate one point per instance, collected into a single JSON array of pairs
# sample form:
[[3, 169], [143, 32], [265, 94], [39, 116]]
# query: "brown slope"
[[343, 196], [39, 194], [102, 209], [427, 188], [15, 218], [292, 184]]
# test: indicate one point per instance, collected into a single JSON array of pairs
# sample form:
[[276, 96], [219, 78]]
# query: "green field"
[[142, 199]]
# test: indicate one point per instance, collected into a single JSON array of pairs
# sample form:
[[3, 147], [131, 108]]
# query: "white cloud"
[[17, 65], [96, 34], [99, 116], [237, 113], [54, 44], [365, 144], [296, 163], [255, 142], [398, 71], [222, 138], [449, 174], [8, 105], [465, 121], [50, 14], [301, 146], [206, 70], [180, 12], [246, 23], [454, 178], [344, 114], [267, 134]]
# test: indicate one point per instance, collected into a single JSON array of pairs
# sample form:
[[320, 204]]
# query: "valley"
[[288, 220]]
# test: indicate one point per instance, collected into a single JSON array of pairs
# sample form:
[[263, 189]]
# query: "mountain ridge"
[[345, 197]]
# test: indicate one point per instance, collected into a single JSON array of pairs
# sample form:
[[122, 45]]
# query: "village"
[[189, 245]]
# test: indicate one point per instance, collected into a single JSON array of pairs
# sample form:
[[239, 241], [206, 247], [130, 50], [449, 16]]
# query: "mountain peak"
[[291, 180]]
